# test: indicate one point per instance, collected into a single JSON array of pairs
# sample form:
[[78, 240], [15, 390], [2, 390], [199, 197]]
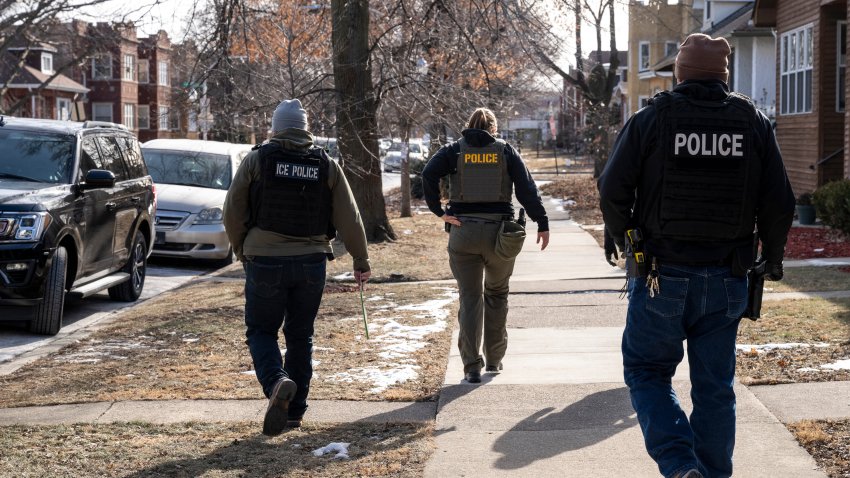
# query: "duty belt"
[[481, 220]]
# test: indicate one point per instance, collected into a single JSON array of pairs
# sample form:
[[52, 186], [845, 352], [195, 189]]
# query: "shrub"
[[832, 204], [804, 199]]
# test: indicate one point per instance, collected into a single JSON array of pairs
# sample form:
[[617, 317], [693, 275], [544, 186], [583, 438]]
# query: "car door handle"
[[110, 206], [135, 199]]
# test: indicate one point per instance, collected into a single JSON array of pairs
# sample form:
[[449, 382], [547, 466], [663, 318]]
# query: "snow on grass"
[[840, 365], [762, 348], [395, 342], [341, 450]]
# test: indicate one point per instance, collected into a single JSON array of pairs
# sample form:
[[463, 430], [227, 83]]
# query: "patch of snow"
[[808, 369], [761, 348], [407, 232], [374, 298], [324, 349], [820, 249], [345, 276], [249, 372], [191, 341], [382, 375], [341, 450], [840, 365]]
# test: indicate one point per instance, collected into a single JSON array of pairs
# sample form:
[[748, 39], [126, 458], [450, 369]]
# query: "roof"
[[764, 13], [46, 125], [196, 146], [29, 77]]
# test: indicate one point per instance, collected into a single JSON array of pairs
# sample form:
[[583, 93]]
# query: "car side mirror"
[[99, 179]]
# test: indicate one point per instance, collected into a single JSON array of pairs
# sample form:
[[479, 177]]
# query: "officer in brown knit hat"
[[693, 179]]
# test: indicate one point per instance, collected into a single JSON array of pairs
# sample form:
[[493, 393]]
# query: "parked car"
[[76, 217], [417, 154], [329, 144], [192, 178]]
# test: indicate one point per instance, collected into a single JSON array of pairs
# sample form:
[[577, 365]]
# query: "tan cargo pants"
[[482, 279]]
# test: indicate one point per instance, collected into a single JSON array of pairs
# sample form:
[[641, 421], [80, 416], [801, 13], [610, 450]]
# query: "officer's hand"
[[543, 236], [610, 249], [362, 276], [773, 271], [451, 220]]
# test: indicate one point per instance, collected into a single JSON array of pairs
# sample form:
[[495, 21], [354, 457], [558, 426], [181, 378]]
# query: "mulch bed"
[[828, 442], [816, 242]]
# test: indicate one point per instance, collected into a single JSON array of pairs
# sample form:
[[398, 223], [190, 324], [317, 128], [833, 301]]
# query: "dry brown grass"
[[580, 188], [232, 450], [810, 321], [189, 344], [828, 441], [811, 279]]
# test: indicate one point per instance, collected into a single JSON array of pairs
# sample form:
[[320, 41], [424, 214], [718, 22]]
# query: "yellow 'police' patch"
[[481, 158]]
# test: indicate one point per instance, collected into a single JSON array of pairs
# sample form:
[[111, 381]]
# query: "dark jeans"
[[283, 291], [702, 305]]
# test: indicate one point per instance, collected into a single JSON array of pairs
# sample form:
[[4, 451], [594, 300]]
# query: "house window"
[[796, 64], [47, 63], [840, 93], [63, 109], [174, 120], [129, 115], [643, 101], [643, 61], [144, 72], [129, 68], [162, 120], [162, 73], [624, 76], [192, 122], [101, 67], [144, 117], [101, 111], [670, 48]]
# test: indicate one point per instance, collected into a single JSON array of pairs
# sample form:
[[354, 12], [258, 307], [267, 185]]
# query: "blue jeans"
[[283, 291], [702, 305]]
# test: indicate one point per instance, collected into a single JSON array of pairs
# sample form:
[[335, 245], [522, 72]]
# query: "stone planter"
[[806, 214]]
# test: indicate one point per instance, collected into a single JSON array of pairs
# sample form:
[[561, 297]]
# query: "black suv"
[[76, 209]]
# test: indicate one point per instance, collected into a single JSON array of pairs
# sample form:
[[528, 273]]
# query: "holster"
[[755, 290]]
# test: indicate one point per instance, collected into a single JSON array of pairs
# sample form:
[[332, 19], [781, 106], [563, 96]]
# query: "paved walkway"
[[558, 409]]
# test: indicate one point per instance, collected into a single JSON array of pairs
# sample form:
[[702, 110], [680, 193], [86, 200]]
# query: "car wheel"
[[136, 266], [48, 315]]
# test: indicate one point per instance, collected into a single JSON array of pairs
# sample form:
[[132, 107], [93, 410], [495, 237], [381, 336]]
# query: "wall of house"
[[743, 77], [832, 121], [764, 74], [800, 147]]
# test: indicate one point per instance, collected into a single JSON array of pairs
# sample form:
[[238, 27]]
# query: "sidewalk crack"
[[97, 420]]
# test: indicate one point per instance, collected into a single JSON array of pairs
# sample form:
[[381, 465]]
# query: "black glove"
[[773, 271], [610, 249]]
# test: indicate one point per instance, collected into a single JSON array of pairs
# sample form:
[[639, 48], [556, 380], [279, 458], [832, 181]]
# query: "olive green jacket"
[[248, 240]]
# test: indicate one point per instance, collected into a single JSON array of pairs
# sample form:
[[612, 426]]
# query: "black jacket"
[[623, 180], [444, 162]]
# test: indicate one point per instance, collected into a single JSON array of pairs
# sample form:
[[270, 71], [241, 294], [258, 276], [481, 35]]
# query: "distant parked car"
[[329, 144], [76, 207], [192, 178], [417, 154]]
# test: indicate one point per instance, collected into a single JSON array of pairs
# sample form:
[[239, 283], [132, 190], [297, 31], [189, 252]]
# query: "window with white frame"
[[129, 71], [796, 64], [144, 117], [643, 101], [841, 68], [643, 52], [101, 67], [192, 121], [174, 120], [670, 47], [144, 72], [129, 116], [63, 109], [162, 119], [162, 73], [47, 63], [101, 112]]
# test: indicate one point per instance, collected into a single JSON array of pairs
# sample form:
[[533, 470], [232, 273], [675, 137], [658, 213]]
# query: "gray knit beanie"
[[289, 114]]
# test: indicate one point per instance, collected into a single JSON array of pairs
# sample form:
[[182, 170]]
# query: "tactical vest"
[[293, 197], [711, 169], [482, 174]]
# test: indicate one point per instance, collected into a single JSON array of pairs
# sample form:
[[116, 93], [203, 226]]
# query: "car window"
[[205, 170], [133, 156], [36, 156], [414, 148], [110, 154], [89, 156]]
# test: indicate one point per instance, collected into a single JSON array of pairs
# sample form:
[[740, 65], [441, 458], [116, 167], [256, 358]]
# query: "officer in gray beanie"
[[690, 177], [289, 114], [287, 201]]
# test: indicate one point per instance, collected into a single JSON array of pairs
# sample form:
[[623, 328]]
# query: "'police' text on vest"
[[481, 158], [297, 171], [709, 144]]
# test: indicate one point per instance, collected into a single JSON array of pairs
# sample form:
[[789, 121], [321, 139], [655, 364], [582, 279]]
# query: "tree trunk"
[[405, 170], [356, 108]]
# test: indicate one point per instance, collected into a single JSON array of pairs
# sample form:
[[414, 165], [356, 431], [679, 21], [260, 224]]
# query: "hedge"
[[832, 204]]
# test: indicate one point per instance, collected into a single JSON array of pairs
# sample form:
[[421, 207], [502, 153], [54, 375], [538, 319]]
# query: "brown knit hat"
[[703, 58]]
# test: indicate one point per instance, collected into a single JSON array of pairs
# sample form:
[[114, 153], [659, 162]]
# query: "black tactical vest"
[[482, 174], [293, 197], [710, 170]]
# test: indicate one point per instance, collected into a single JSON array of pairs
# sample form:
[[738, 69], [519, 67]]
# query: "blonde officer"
[[483, 174]]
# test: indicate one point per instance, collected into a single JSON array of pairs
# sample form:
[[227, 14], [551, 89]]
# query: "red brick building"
[[156, 117]]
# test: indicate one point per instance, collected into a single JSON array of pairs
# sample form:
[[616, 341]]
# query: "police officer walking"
[[690, 177], [484, 240], [287, 201]]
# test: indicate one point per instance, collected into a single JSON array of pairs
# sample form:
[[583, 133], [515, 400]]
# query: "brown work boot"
[[276, 414]]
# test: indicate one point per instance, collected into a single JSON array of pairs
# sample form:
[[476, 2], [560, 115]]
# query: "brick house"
[[24, 70], [156, 117], [111, 76], [811, 118]]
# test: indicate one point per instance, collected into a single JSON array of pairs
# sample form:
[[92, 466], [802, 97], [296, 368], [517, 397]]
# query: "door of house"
[[63, 109]]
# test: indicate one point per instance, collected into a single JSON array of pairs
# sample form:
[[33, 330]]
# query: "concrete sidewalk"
[[560, 407]]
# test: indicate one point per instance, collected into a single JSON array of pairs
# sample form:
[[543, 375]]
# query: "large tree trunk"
[[356, 108]]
